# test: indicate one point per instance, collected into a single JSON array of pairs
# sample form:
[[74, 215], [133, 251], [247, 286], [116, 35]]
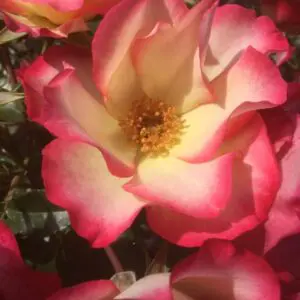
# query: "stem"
[[113, 259], [9, 196]]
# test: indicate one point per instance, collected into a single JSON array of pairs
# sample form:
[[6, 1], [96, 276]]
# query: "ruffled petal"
[[76, 178], [65, 5], [152, 287], [113, 70], [256, 179], [219, 271], [18, 23], [283, 219], [46, 67], [52, 18], [168, 62], [66, 102], [93, 7], [252, 83], [70, 107], [204, 131], [91, 290], [198, 190], [41, 15], [234, 29]]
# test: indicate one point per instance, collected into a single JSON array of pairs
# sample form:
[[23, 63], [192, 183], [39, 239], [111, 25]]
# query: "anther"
[[153, 126]]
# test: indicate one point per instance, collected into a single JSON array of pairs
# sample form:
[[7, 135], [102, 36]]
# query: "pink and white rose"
[[166, 121], [56, 18]]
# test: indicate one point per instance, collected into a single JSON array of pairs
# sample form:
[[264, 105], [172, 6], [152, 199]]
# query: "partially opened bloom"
[[55, 18], [284, 12], [17, 280], [218, 271], [174, 128]]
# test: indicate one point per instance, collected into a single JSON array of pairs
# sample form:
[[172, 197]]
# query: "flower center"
[[153, 126]]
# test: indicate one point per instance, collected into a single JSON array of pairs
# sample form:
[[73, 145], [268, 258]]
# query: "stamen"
[[153, 126]]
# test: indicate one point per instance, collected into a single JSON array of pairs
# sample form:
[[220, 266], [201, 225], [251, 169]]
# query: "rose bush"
[[56, 18], [18, 281], [216, 271], [172, 126]]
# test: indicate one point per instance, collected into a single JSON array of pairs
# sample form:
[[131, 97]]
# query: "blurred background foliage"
[[43, 231]]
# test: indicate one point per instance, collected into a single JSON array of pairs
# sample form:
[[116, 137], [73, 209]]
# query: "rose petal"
[[254, 190], [152, 287], [113, 70], [91, 290], [218, 271], [67, 99], [76, 178], [168, 63], [19, 23], [252, 83], [203, 133], [65, 5], [8, 241], [46, 67], [198, 190], [284, 218], [65, 90], [234, 29], [18, 281]]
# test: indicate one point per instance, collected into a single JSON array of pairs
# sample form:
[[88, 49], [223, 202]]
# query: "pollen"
[[153, 126]]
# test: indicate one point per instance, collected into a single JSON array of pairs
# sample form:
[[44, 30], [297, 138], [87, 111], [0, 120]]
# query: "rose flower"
[[172, 126], [56, 18]]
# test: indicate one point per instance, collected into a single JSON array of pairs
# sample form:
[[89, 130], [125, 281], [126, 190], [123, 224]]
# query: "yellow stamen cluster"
[[153, 126]]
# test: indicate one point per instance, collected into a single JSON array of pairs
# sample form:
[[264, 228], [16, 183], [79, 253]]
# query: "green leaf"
[[8, 97], [6, 35], [94, 23], [31, 210], [11, 107], [8, 161]]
